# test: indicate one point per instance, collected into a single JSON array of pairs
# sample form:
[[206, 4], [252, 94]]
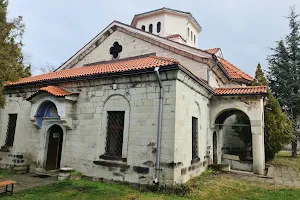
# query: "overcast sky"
[[243, 29]]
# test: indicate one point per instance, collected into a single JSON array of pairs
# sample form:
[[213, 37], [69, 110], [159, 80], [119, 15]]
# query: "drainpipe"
[[160, 109]]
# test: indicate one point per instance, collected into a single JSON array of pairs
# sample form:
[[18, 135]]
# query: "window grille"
[[194, 137], [115, 130], [11, 129]]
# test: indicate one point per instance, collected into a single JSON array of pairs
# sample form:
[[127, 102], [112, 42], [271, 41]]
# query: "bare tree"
[[48, 67]]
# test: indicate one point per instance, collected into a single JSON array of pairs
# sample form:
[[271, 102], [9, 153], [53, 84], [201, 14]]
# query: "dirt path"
[[25, 181]]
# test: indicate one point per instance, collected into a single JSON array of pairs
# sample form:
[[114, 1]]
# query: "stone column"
[[258, 148]]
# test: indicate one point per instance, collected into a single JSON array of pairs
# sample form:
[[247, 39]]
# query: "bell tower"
[[173, 24]]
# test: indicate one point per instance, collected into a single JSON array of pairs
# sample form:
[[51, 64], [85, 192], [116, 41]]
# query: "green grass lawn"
[[283, 158], [210, 185], [6, 172]]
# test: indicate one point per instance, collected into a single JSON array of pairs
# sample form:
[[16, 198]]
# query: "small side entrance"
[[215, 152], [54, 147]]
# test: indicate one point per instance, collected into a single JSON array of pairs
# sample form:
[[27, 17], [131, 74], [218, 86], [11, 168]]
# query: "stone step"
[[20, 169], [47, 172]]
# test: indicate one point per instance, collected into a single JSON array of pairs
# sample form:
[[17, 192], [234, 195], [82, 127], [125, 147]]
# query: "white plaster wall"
[[190, 102], [146, 21], [214, 80], [136, 47], [188, 37], [171, 24]]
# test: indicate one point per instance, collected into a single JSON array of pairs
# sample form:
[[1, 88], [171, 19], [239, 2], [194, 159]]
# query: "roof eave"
[[254, 94], [94, 76]]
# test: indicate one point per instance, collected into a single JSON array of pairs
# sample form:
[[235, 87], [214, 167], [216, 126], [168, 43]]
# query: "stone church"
[[138, 103]]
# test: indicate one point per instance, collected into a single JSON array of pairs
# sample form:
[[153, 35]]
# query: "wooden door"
[[54, 148]]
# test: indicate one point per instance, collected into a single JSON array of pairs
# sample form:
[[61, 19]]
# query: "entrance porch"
[[252, 107]]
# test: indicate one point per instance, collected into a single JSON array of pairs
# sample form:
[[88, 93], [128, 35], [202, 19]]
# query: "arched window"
[[188, 32], [150, 28], [195, 39], [158, 26], [143, 28], [192, 35], [46, 110]]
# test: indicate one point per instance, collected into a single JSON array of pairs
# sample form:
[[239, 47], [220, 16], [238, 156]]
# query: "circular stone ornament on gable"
[[115, 50]]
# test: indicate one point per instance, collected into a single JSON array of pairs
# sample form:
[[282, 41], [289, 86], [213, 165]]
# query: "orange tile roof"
[[234, 72], [213, 50], [100, 68], [174, 36], [241, 90], [55, 91]]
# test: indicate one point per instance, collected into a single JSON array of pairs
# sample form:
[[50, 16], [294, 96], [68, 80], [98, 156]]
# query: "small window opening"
[[115, 131], [143, 28], [194, 137], [158, 27], [11, 129], [150, 28]]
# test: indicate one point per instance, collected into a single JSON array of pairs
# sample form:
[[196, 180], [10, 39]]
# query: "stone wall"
[[84, 144], [26, 141], [192, 100]]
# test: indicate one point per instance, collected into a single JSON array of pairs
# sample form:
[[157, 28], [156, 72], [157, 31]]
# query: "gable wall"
[[135, 47]]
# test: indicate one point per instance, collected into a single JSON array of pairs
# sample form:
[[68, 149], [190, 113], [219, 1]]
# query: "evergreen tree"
[[11, 57], [284, 73], [260, 79], [278, 128]]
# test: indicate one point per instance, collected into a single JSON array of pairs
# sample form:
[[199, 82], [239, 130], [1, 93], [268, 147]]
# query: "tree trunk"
[[294, 148]]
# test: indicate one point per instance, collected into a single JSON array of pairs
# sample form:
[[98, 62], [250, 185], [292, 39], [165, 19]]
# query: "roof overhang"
[[54, 91], [242, 91]]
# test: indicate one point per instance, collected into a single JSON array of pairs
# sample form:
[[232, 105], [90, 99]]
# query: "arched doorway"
[[215, 147], [55, 134], [234, 129]]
